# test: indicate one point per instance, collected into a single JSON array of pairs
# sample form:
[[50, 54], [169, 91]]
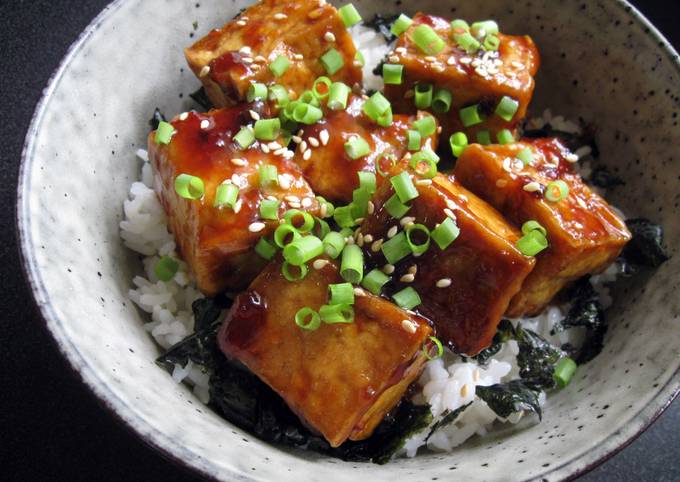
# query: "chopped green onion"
[[556, 191], [440, 349], [532, 225], [564, 371], [357, 147], [292, 216], [411, 231], [533, 243], [279, 66], [460, 26], [269, 209], [407, 298], [289, 271], [307, 313], [289, 109], [393, 73], [352, 264], [226, 195], [321, 228], [164, 133], [256, 91], [484, 28], [374, 281], [333, 244], [526, 155], [427, 126], [343, 217], [308, 97], [467, 42], [469, 116], [401, 25], [332, 61], [376, 106], [445, 234], [279, 94], [367, 181], [458, 143], [286, 234], [349, 15], [403, 186], [189, 187], [413, 140], [307, 113], [491, 43], [395, 207], [341, 294], [268, 174], [359, 57], [484, 137], [265, 249], [359, 205], [441, 102], [505, 137], [302, 250], [332, 314], [267, 129], [329, 206], [427, 40], [245, 137], [507, 108], [337, 98], [424, 164], [396, 248], [423, 95], [385, 120], [322, 87], [378, 163], [166, 268]]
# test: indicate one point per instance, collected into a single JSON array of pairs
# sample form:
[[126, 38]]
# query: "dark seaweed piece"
[[507, 398], [505, 332], [201, 98], [156, 119], [592, 346], [602, 177], [448, 418], [536, 359], [382, 24], [378, 70], [646, 247]]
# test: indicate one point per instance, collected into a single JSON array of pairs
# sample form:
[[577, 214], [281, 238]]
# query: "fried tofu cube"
[[585, 235], [218, 242], [325, 163], [230, 58], [483, 78], [340, 379], [466, 287]]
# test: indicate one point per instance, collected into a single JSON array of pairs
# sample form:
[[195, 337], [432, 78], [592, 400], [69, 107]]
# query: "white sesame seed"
[[375, 247], [324, 137], [532, 186], [388, 269], [323, 210], [501, 183], [280, 152], [205, 123], [307, 155], [409, 326], [260, 59], [245, 50], [183, 116], [394, 59], [464, 391], [241, 23], [296, 139], [368, 238], [413, 269], [583, 151], [444, 283], [572, 158], [239, 162], [359, 220], [349, 240], [288, 154], [303, 146], [466, 60], [450, 204], [329, 37], [295, 205], [449, 213], [423, 182], [204, 71], [238, 205], [320, 263], [451, 60], [359, 292], [284, 182], [400, 50], [517, 65], [292, 199], [254, 115], [299, 57], [360, 240], [247, 60], [313, 141], [407, 278], [306, 202], [274, 145], [438, 68], [475, 375], [264, 148], [430, 58], [392, 232], [256, 227], [407, 220], [280, 16], [370, 209], [271, 198]]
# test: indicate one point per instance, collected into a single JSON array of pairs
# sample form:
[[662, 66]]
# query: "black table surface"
[[51, 427]]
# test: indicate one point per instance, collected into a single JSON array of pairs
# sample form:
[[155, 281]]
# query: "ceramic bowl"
[[601, 61]]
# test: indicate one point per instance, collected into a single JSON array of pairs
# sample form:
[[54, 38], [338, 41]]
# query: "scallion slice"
[[302, 250], [307, 114], [341, 294], [491, 43], [507, 108], [226, 195], [484, 28], [395, 207], [423, 95], [329, 206], [427, 40], [505, 136], [265, 249], [556, 191], [458, 142], [308, 97], [245, 137], [189, 187], [441, 101], [332, 61], [367, 181], [307, 319], [440, 349], [357, 147], [166, 268], [359, 57], [349, 14], [337, 98], [404, 187], [332, 314], [322, 87], [279, 95], [427, 126], [413, 140], [286, 234], [401, 25], [321, 228], [376, 106], [385, 120], [414, 230], [396, 248], [374, 281], [343, 216], [470, 116], [393, 73], [484, 137], [533, 243], [164, 133], [267, 129], [460, 26], [256, 91], [379, 163], [532, 225], [279, 66], [352, 264], [333, 244], [269, 209], [564, 371], [360, 198], [407, 298], [293, 216], [445, 234], [269, 174], [424, 164], [526, 155], [467, 42], [294, 273]]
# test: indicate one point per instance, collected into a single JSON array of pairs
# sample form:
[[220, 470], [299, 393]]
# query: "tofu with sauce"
[[326, 165], [483, 78], [340, 379], [218, 242], [230, 58], [585, 235], [465, 288]]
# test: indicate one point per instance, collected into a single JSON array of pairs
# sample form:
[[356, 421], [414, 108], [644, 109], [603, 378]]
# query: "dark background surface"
[[51, 427]]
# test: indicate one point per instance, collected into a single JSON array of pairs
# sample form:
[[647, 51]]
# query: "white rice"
[[446, 384]]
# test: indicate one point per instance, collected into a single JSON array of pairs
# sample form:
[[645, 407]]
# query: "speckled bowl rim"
[[167, 447]]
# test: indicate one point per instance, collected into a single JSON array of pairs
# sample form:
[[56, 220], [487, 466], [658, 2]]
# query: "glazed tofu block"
[[230, 58], [340, 379], [585, 235], [482, 78], [466, 287], [217, 242], [326, 165]]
